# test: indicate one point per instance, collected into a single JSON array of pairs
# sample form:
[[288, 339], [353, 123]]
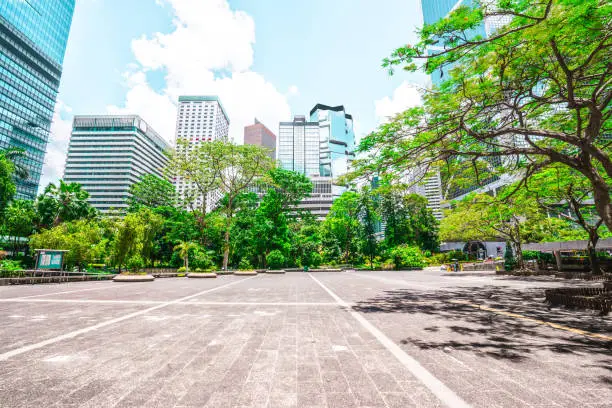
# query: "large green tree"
[[563, 192], [151, 191], [19, 221], [196, 166], [535, 92], [239, 166], [63, 203], [82, 239], [370, 221], [9, 170], [342, 223]]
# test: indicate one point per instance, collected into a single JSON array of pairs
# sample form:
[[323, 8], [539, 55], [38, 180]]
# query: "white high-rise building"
[[107, 154], [200, 119]]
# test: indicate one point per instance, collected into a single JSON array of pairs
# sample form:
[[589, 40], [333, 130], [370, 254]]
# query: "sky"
[[269, 59]]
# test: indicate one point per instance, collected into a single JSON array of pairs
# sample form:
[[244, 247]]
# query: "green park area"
[[530, 103]]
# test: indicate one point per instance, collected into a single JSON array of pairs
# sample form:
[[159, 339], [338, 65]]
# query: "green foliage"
[[83, 239], [538, 256], [275, 259], [509, 260], [404, 256], [245, 265], [342, 224], [152, 192], [10, 265], [201, 259], [63, 203], [182, 269], [183, 249], [135, 263], [498, 109]]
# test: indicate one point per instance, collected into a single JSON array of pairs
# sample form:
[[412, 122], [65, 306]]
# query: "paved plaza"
[[350, 339]]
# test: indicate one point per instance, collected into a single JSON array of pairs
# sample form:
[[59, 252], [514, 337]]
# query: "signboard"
[[50, 259]]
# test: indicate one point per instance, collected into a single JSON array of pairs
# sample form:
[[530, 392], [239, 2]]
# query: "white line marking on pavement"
[[447, 396], [159, 302], [21, 350], [61, 293]]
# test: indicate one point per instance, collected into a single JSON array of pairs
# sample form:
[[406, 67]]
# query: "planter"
[[276, 271], [201, 275], [133, 278], [224, 272], [245, 273]]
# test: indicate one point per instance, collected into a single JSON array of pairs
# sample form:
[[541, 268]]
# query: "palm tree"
[[183, 247], [13, 155], [64, 202]]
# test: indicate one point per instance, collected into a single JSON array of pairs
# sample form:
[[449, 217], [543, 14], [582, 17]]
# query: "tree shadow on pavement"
[[465, 327]]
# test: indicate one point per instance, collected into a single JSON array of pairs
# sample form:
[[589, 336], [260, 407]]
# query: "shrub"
[[9, 265], [315, 260], [405, 256], [388, 265], [509, 261], [201, 259], [135, 263], [244, 265], [181, 270], [275, 259], [539, 256]]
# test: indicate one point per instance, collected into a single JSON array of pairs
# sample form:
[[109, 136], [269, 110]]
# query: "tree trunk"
[[603, 203], [226, 248], [228, 226], [592, 251], [187, 262]]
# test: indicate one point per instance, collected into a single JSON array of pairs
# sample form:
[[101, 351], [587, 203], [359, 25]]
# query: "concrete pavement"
[[353, 339]]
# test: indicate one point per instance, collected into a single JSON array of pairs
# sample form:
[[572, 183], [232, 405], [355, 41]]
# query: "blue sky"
[[265, 58]]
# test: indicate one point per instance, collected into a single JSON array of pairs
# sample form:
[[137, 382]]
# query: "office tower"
[[258, 134], [200, 119], [432, 12], [337, 139], [319, 202], [33, 37], [299, 146], [107, 154]]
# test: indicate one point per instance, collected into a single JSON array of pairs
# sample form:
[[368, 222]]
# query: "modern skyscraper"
[[299, 146], [337, 139], [258, 134], [322, 149], [200, 119], [432, 12], [33, 37], [107, 154]]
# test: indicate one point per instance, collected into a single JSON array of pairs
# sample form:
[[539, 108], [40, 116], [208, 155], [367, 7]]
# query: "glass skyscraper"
[[33, 37], [298, 146], [434, 10], [337, 139]]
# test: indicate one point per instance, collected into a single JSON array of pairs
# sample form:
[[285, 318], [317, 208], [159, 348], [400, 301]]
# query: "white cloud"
[[293, 91], [53, 169], [405, 96], [209, 52]]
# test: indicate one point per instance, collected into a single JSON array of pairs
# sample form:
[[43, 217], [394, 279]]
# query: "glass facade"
[[33, 37], [298, 146], [337, 139], [434, 10]]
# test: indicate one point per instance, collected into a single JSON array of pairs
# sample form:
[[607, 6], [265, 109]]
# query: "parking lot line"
[[63, 292], [159, 302], [447, 396], [66, 336]]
